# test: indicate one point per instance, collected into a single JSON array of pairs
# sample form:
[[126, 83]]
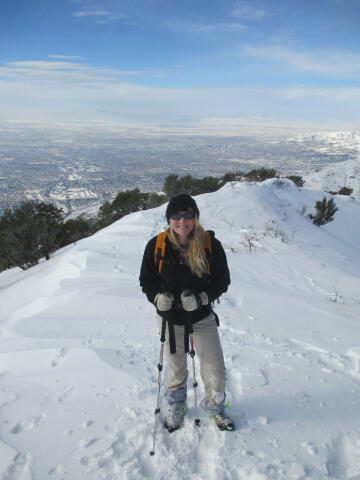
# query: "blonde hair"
[[193, 255]]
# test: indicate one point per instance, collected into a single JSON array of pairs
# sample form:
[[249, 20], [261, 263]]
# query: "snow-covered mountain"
[[333, 176], [79, 349], [332, 142]]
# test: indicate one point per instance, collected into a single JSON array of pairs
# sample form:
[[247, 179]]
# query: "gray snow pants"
[[212, 367]]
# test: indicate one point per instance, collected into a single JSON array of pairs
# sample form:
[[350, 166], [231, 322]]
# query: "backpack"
[[160, 246]]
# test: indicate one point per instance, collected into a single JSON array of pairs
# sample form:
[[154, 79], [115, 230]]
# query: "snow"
[[331, 141], [79, 349], [333, 177]]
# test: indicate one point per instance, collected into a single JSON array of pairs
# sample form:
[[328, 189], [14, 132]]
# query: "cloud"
[[249, 12], [62, 72], [204, 28], [102, 15], [338, 64], [64, 90], [66, 57]]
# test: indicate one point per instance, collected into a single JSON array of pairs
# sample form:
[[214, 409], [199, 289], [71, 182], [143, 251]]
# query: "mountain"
[[326, 141], [79, 349], [335, 175]]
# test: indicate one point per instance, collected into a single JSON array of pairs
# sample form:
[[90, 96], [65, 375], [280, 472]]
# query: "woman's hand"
[[192, 302], [164, 301]]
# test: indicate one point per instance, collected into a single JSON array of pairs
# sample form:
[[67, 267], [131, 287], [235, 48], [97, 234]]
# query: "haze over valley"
[[77, 167]]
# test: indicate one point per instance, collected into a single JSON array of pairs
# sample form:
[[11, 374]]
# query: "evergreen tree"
[[28, 233], [325, 211], [125, 202], [171, 185], [153, 200], [206, 185], [186, 185], [74, 229], [297, 179], [232, 176], [260, 174]]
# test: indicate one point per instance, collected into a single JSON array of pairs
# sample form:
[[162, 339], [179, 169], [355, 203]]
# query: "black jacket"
[[176, 277]]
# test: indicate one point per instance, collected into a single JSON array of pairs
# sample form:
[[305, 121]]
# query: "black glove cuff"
[[198, 300]]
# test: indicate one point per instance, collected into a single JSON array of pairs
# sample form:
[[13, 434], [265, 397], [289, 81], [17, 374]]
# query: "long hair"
[[194, 253]]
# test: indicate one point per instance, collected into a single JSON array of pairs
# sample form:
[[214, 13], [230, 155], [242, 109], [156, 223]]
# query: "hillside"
[[79, 351], [333, 176]]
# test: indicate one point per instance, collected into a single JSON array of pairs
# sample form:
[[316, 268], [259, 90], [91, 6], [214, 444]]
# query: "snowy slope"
[[335, 176], [79, 350], [329, 142]]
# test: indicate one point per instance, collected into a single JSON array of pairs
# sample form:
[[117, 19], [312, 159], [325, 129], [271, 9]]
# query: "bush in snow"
[[232, 177], [297, 179], [260, 174], [345, 191], [325, 211], [173, 185]]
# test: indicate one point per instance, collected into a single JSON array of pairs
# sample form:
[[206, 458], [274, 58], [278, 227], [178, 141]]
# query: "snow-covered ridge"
[[335, 176], [346, 140], [79, 349]]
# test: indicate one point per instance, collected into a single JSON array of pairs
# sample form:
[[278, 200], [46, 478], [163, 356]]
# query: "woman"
[[189, 281]]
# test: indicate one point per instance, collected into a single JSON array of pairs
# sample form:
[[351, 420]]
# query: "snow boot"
[[174, 419], [223, 422]]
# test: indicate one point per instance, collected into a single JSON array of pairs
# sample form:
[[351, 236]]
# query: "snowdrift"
[[79, 351]]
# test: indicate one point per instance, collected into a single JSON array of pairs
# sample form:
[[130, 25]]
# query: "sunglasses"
[[186, 215]]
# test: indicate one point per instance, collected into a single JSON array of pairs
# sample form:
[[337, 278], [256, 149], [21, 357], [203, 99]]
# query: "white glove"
[[192, 302], [204, 298], [164, 301]]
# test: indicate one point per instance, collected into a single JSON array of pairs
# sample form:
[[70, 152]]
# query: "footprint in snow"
[[88, 423], [29, 423], [344, 457], [58, 470], [88, 442], [20, 468], [59, 359], [67, 393]]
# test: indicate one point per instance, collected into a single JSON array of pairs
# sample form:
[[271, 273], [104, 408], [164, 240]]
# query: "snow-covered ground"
[[335, 176], [79, 350], [330, 142]]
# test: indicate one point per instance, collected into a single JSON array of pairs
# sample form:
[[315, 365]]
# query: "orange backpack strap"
[[160, 245], [159, 251]]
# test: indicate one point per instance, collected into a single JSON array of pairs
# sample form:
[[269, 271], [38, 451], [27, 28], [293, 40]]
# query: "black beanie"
[[181, 203]]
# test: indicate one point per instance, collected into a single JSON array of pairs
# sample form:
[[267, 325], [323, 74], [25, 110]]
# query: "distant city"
[[77, 168]]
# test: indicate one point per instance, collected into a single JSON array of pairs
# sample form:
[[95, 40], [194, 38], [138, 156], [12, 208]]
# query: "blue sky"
[[215, 64]]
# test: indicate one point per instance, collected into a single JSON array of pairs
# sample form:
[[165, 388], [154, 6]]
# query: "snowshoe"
[[223, 422], [174, 419]]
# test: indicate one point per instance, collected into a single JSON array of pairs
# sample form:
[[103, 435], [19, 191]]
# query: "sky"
[[214, 64]]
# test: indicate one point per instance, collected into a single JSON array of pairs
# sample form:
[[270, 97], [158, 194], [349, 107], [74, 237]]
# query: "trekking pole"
[[195, 384], [189, 331], [160, 367]]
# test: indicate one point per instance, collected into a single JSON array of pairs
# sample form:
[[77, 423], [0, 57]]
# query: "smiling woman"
[[191, 276], [182, 224]]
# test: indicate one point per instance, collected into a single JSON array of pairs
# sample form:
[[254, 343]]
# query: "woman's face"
[[182, 227]]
